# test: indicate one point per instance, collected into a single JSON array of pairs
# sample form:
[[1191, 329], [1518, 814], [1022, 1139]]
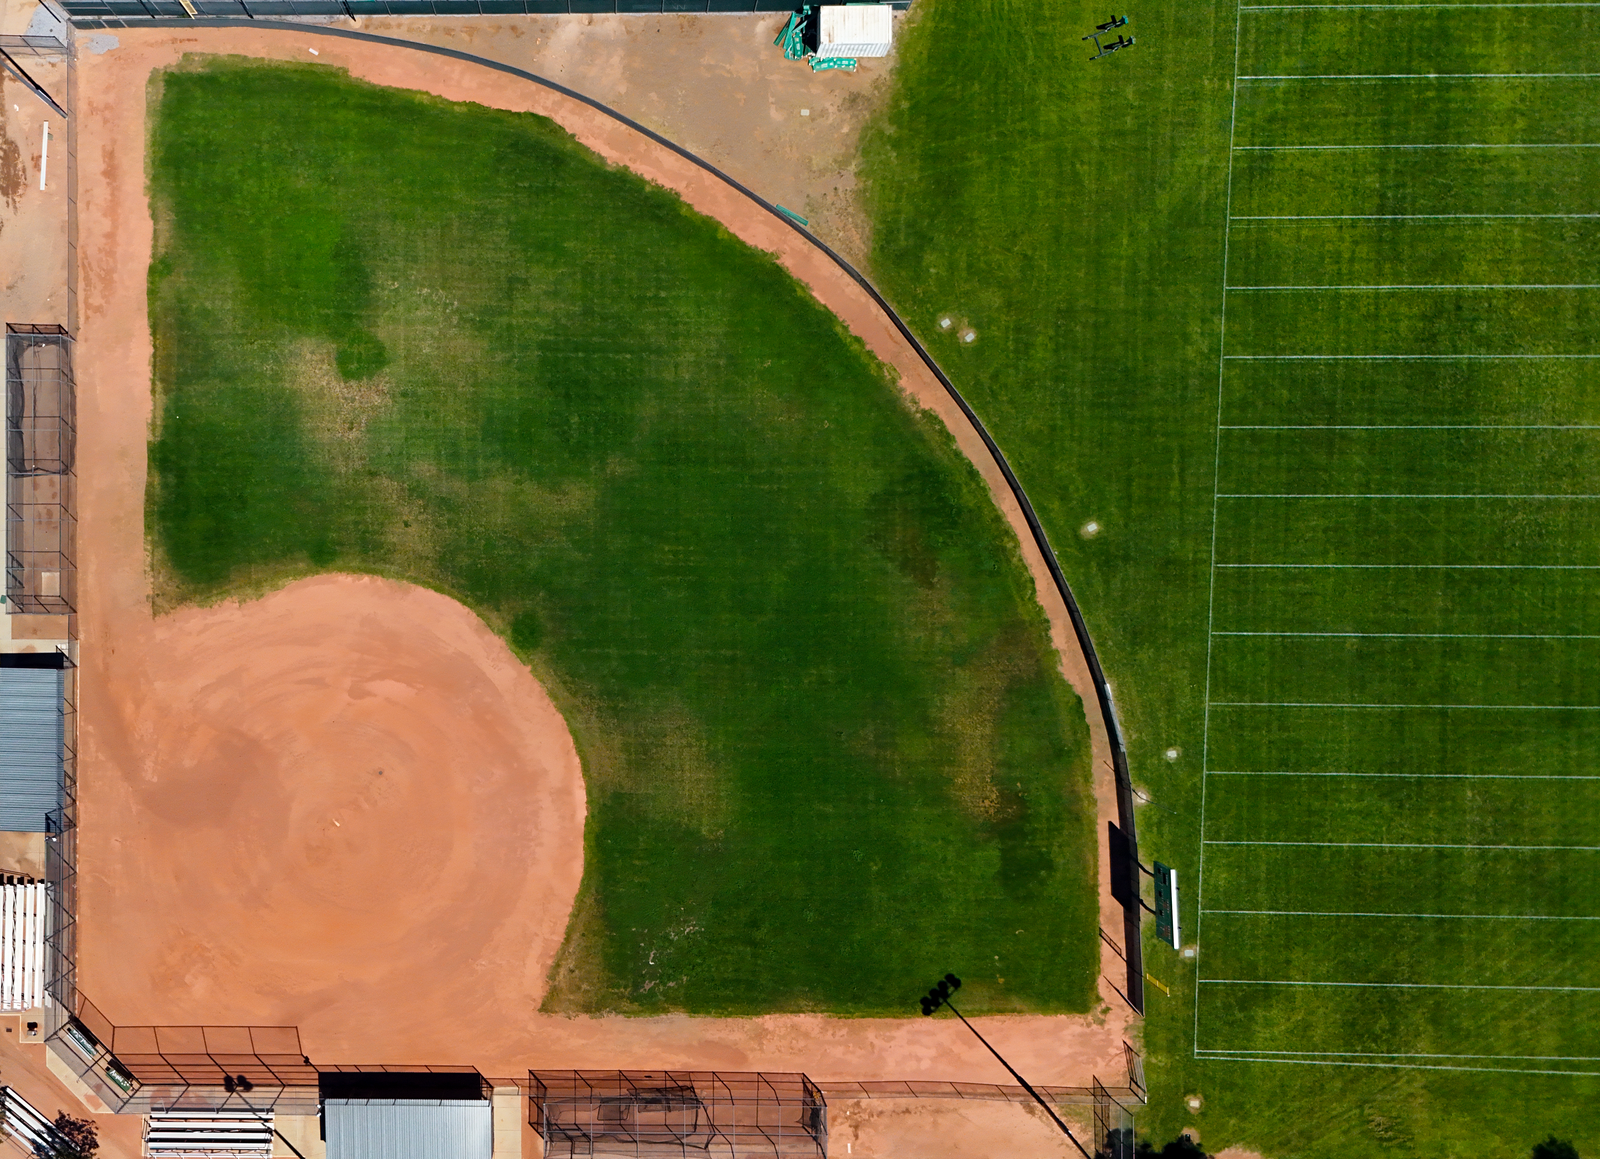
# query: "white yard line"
[[1423, 286], [1365, 706], [1438, 145], [1427, 635], [1402, 495], [1425, 76], [1416, 845], [1397, 985], [1408, 357], [1291, 913], [1411, 427], [1413, 216], [1408, 776], [1421, 566]]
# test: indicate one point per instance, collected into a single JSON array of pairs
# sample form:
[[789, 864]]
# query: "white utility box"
[[855, 30]]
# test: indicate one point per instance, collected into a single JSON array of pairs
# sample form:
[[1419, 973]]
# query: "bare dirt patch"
[[715, 85]]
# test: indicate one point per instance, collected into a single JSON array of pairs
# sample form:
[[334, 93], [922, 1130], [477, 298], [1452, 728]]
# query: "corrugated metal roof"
[[408, 1129], [30, 747]]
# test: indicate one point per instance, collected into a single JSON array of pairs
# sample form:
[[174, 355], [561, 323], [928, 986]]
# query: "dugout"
[[407, 1115], [32, 723]]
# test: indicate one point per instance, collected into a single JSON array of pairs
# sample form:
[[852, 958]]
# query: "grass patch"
[[827, 749], [1074, 214]]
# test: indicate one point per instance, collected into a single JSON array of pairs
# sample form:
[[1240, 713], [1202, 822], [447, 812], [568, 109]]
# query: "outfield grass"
[[1382, 672], [827, 749]]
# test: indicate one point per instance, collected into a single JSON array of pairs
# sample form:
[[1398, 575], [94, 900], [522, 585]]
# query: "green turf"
[[1075, 214], [828, 753]]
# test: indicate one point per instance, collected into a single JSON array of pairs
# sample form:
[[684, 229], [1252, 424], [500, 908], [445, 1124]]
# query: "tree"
[[1184, 1147], [1553, 1148], [78, 1137]]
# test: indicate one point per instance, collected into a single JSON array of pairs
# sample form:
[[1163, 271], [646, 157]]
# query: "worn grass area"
[[828, 751], [1395, 668]]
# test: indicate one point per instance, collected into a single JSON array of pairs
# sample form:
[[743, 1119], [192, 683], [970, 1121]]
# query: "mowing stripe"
[[1216, 480], [1239, 1056], [1425, 76], [1417, 776], [1427, 635], [1406, 357], [1334, 704], [1411, 427], [1394, 985], [1311, 913], [1421, 286], [1427, 566], [1440, 145], [1405, 7], [1401, 495], [1407, 216], [1416, 845]]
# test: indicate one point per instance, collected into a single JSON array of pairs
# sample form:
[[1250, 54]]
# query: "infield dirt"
[[221, 744]]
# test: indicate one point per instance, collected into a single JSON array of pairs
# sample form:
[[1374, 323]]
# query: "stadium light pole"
[[940, 996]]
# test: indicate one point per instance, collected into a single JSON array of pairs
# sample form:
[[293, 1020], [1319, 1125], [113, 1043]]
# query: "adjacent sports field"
[[827, 749], [1300, 304]]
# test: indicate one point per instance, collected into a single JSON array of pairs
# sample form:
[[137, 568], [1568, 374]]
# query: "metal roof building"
[[408, 1129], [30, 740]]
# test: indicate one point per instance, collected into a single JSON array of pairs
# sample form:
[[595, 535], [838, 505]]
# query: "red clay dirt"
[[220, 745]]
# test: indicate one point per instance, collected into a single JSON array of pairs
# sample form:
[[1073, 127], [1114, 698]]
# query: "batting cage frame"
[[678, 1113], [41, 485], [1113, 1126]]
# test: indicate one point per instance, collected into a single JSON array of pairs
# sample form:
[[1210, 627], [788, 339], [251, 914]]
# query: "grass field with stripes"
[[1399, 830], [1300, 307]]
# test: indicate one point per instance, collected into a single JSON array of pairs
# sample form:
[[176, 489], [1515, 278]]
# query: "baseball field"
[[826, 743], [1297, 303]]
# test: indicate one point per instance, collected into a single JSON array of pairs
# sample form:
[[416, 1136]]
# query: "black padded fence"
[[85, 12]]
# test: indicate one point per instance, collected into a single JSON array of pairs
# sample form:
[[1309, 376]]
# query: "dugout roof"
[[408, 1129], [30, 742]]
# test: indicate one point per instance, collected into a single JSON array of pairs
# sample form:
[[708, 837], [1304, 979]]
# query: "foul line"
[[1415, 845], [1397, 985], [1415, 776], [1311, 913]]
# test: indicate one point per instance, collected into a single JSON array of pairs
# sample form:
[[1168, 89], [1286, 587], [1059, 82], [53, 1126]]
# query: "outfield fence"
[[89, 13]]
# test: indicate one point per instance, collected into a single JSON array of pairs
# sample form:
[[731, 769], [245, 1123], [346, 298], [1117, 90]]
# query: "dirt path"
[[170, 706]]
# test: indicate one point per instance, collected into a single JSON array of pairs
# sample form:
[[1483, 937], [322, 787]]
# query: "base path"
[[221, 745]]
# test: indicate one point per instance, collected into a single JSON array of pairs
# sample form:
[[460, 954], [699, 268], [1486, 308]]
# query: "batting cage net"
[[41, 528], [1113, 1126], [678, 1113]]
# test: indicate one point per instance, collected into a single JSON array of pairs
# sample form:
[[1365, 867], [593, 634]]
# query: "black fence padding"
[[454, 1086]]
